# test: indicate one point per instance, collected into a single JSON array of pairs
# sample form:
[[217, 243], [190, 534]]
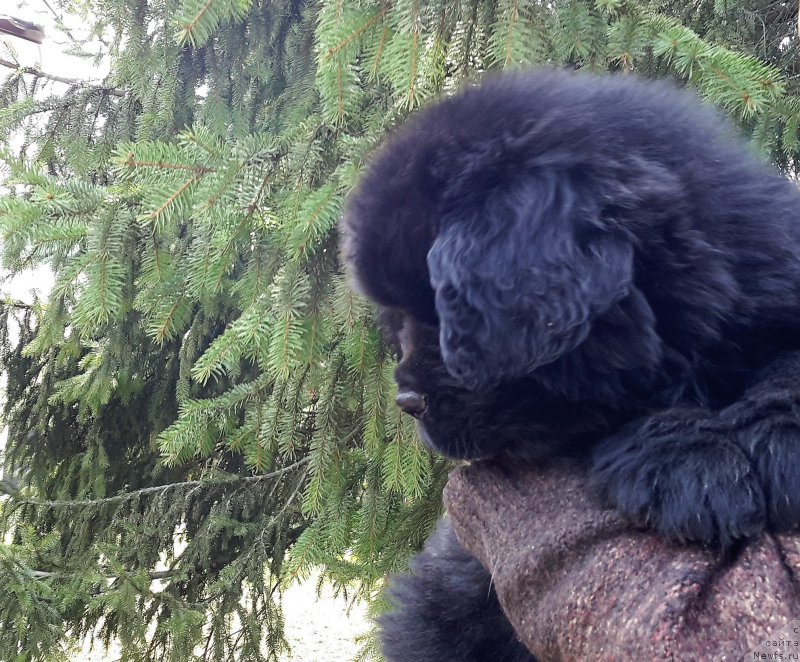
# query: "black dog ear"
[[519, 274]]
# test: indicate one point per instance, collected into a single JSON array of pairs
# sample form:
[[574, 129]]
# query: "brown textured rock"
[[578, 583]]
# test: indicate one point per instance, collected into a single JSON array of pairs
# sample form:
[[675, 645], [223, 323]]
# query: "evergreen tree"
[[202, 411]]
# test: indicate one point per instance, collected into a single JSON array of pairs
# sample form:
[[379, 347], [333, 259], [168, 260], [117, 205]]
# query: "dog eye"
[[395, 351]]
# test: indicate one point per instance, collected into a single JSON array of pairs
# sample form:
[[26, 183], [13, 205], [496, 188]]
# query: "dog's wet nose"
[[412, 403]]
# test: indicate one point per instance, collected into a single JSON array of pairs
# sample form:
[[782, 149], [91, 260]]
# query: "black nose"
[[412, 403]]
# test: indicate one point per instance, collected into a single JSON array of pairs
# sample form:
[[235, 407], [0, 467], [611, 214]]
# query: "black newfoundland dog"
[[586, 267]]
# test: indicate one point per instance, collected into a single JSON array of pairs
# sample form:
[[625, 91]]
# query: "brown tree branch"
[[244, 480], [74, 82], [156, 574]]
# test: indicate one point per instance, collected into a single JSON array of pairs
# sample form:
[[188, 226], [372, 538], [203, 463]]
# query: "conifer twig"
[[74, 82], [79, 503], [156, 574]]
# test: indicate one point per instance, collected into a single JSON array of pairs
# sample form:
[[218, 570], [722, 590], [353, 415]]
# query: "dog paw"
[[681, 473], [766, 426]]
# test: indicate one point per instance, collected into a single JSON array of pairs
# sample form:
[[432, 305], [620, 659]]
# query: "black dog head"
[[528, 236]]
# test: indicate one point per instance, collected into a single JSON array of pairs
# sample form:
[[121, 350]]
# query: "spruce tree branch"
[[59, 21], [156, 574], [132, 163], [357, 32], [189, 29], [163, 331], [74, 82], [197, 484], [20, 305], [470, 34], [251, 208], [175, 195]]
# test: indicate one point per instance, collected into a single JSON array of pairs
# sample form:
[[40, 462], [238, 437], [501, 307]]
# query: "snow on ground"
[[321, 630], [317, 629]]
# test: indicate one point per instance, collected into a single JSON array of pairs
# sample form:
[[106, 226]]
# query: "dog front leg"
[[766, 425], [681, 472]]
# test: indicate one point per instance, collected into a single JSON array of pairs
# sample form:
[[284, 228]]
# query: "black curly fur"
[[595, 267], [447, 610]]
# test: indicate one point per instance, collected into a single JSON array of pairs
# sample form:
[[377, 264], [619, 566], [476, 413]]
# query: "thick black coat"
[[594, 267]]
